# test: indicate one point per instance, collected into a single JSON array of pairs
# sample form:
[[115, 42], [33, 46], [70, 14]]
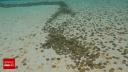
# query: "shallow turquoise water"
[[80, 3]]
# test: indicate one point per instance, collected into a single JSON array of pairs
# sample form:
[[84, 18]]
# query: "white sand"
[[21, 28]]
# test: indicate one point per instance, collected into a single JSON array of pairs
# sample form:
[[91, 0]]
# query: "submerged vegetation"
[[74, 49], [80, 39]]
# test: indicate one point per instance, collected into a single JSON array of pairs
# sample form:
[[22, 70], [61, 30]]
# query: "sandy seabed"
[[94, 40]]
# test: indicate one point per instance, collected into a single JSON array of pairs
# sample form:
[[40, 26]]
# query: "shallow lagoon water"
[[81, 36]]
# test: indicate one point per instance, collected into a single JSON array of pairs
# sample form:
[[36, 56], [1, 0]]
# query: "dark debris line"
[[60, 3], [64, 8]]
